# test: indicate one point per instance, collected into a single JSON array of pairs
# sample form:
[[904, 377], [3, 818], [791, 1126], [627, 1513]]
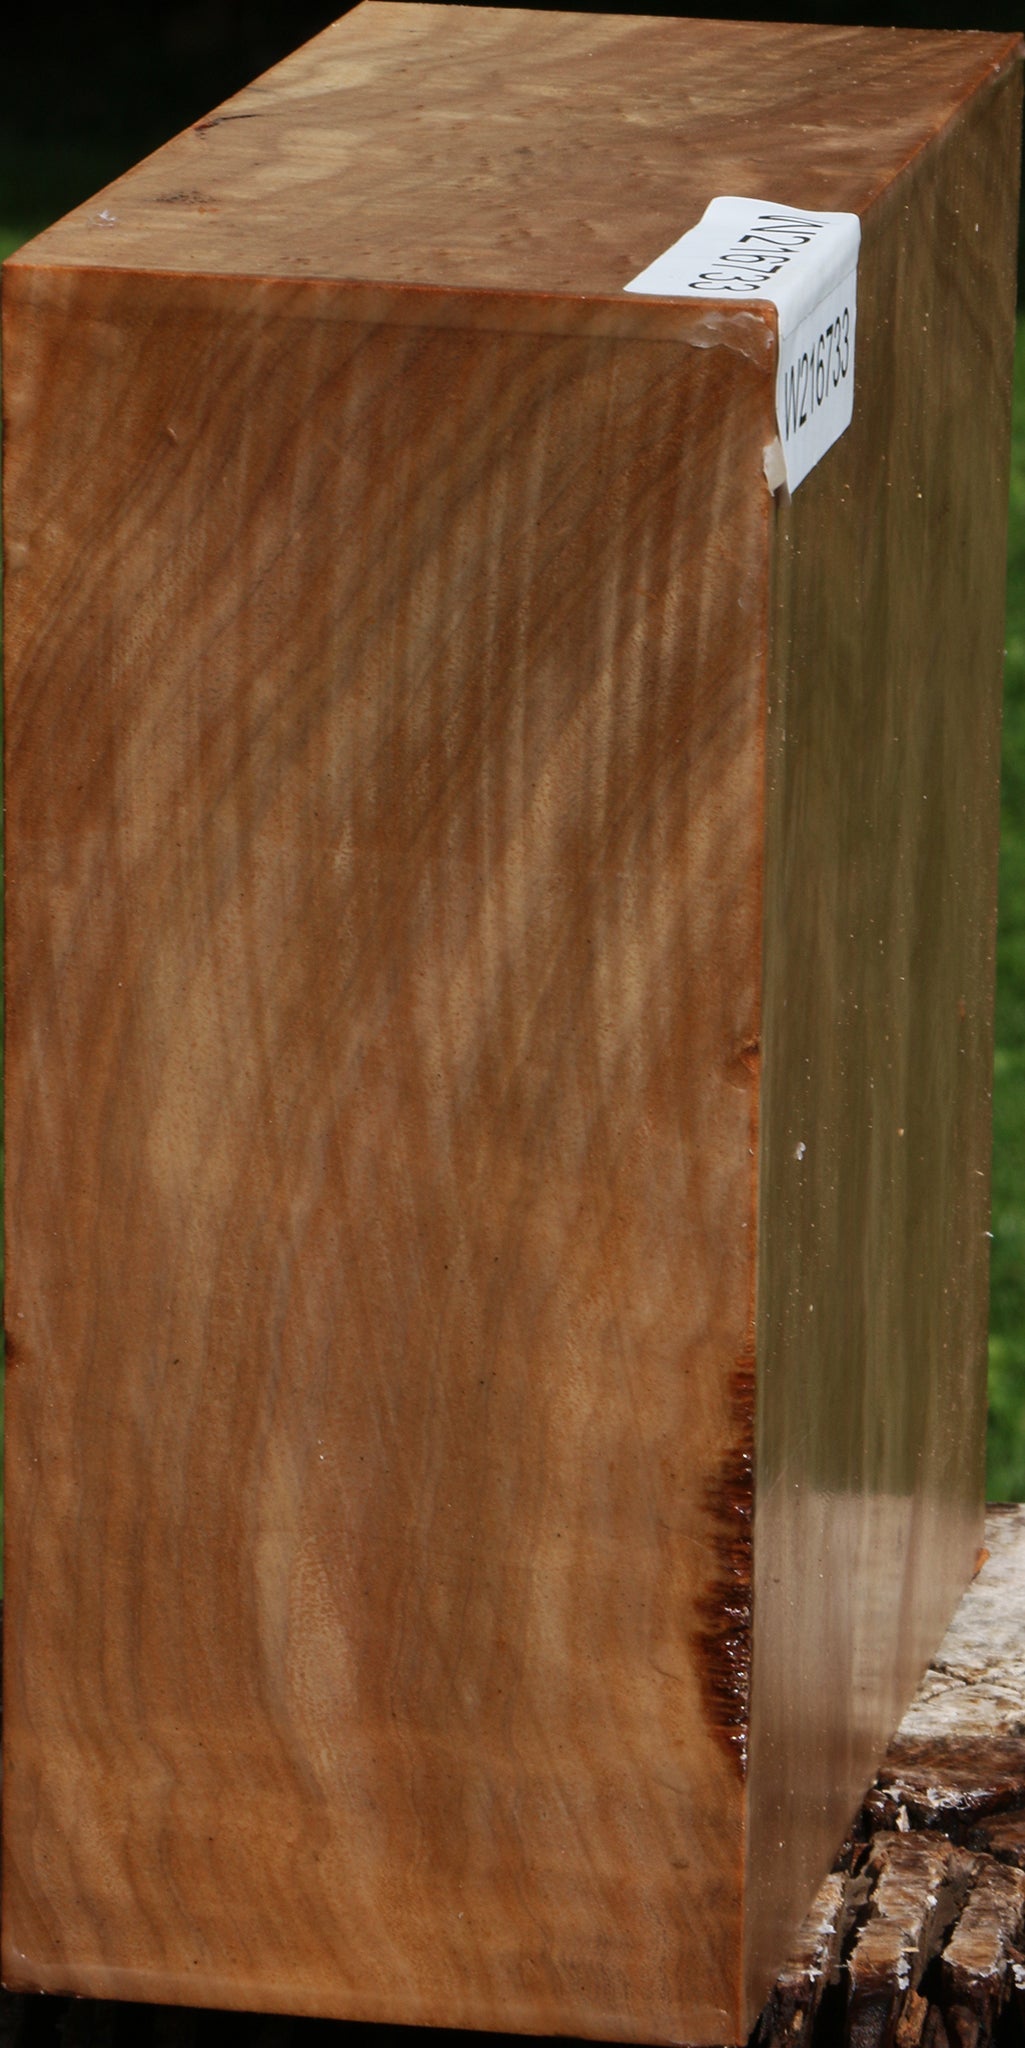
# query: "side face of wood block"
[[882, 780], [442, 785]]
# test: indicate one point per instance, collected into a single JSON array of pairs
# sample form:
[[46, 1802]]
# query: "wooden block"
[[500, 949]]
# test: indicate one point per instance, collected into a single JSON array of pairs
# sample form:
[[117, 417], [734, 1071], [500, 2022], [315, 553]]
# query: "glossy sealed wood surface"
[[498, 149], [499, 941], [382, 978]]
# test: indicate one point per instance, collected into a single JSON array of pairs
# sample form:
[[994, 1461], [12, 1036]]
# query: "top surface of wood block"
[[509, 150]]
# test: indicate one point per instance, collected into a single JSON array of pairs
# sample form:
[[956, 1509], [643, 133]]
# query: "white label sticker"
[[806, 265]]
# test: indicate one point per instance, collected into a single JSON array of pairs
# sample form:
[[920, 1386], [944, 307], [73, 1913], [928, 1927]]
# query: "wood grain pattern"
[[395, 1251], [874, 1960], [382, 1195], [496, 149], [880, 915]]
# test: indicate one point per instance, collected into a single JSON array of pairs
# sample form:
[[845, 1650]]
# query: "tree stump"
[[915, 1938]]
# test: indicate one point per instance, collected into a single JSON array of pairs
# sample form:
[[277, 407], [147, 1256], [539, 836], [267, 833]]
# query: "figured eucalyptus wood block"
[[500, 947]]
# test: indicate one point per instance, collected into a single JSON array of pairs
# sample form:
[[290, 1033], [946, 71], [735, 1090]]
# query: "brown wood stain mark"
[[723, 1642]]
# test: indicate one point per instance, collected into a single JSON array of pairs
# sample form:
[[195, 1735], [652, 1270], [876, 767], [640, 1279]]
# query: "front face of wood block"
[[384, 762]]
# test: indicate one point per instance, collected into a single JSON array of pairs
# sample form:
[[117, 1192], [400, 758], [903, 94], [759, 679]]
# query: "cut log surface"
[[915, 1940]]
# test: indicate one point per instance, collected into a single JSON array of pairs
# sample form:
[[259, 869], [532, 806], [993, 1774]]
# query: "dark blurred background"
[[85, 92]]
